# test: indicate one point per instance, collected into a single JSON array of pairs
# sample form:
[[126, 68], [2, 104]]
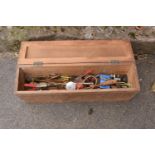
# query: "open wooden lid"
[[75, 51]]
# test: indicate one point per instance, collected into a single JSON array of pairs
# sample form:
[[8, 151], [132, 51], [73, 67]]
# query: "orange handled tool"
[[106, 83]]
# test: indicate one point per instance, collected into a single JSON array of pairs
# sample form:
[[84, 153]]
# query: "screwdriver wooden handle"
[[106, 83]]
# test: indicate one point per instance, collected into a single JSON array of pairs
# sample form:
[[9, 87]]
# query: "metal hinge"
[[114, 61], [38, 63]]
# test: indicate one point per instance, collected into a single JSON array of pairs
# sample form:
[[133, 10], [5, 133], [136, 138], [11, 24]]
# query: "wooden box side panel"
[[133, 76], [78, 97]]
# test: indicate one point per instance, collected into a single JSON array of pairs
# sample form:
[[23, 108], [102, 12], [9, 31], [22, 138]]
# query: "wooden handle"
[[106, 83]]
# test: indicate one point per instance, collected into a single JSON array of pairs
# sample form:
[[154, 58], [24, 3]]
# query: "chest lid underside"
[[75, 51]]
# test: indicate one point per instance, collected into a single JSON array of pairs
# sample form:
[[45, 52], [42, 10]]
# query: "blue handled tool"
[[103, 78]]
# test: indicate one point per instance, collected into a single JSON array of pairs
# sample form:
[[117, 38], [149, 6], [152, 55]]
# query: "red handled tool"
[[42, 85], [30, 85]]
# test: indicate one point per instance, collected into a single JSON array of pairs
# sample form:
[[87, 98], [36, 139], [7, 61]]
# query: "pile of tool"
[[88, 80]]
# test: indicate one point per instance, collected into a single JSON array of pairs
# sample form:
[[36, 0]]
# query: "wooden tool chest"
[[74, 57]]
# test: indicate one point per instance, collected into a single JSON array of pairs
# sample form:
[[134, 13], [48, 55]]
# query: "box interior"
[[78, 69]]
